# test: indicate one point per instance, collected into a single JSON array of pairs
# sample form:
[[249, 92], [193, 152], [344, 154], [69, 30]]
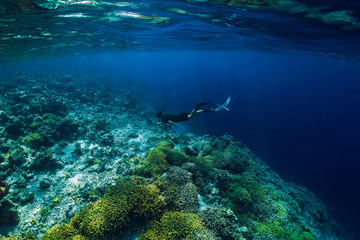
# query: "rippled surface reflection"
[[33, 28]]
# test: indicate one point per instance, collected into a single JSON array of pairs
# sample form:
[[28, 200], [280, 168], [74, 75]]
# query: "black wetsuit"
[[181, 117]]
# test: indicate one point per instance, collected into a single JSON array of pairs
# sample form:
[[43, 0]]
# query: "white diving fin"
[[223, 106]]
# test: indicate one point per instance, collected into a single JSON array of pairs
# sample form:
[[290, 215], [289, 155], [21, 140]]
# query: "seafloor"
[[82, 159]]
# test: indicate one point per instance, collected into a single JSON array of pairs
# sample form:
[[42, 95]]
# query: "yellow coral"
[[173, 225], [129, 198], [60, 232], [102, 217]]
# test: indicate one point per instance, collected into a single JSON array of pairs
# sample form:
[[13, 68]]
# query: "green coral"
[[44, 212], [62, 232], [102, 217], [243, 191], [53, 127], [173, 225], [145, 200], [158, 160], [49, 119], [174, 156], [130, 198], [165, 144], [274, 230], [55, 201], [25, 236], [34, 140], [230, 159], [205, 165], [155, 163]]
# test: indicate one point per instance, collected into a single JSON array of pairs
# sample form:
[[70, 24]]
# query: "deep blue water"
[[297, 112]]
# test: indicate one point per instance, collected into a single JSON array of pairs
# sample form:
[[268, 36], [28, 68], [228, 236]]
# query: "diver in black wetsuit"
[[181, 117]]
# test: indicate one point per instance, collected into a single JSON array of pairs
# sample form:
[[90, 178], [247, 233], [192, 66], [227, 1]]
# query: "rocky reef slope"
[[82, 160]]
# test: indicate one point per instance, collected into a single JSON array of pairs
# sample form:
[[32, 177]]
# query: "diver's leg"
[[202, 104], [197, 111], [193, 112]]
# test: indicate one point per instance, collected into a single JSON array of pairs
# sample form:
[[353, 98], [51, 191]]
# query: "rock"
[[133, 135], [43, 160], [4, 117], [15, 127], [17, 158], [71, 211], [28, 176], [4, 166], [107, 139], [44, 183], [26, 197], [8, 213]]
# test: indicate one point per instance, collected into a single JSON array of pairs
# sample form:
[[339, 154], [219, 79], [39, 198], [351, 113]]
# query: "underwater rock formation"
[[95, 170], [8, 213]]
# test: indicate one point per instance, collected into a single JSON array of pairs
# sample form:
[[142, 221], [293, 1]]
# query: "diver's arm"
[[171, 122]]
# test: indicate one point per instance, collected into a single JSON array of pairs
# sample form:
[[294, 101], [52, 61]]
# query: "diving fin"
[[223, 106]]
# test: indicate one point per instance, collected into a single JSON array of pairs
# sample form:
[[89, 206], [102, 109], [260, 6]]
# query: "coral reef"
[[173, 225], [221, 221], [81, 164], [3, 190], [109, 215]]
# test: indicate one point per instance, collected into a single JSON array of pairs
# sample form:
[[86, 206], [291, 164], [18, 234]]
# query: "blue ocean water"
[[299, 113], [293, 77]]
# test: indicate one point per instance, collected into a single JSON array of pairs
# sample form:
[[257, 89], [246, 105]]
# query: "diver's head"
[[159, 114]]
